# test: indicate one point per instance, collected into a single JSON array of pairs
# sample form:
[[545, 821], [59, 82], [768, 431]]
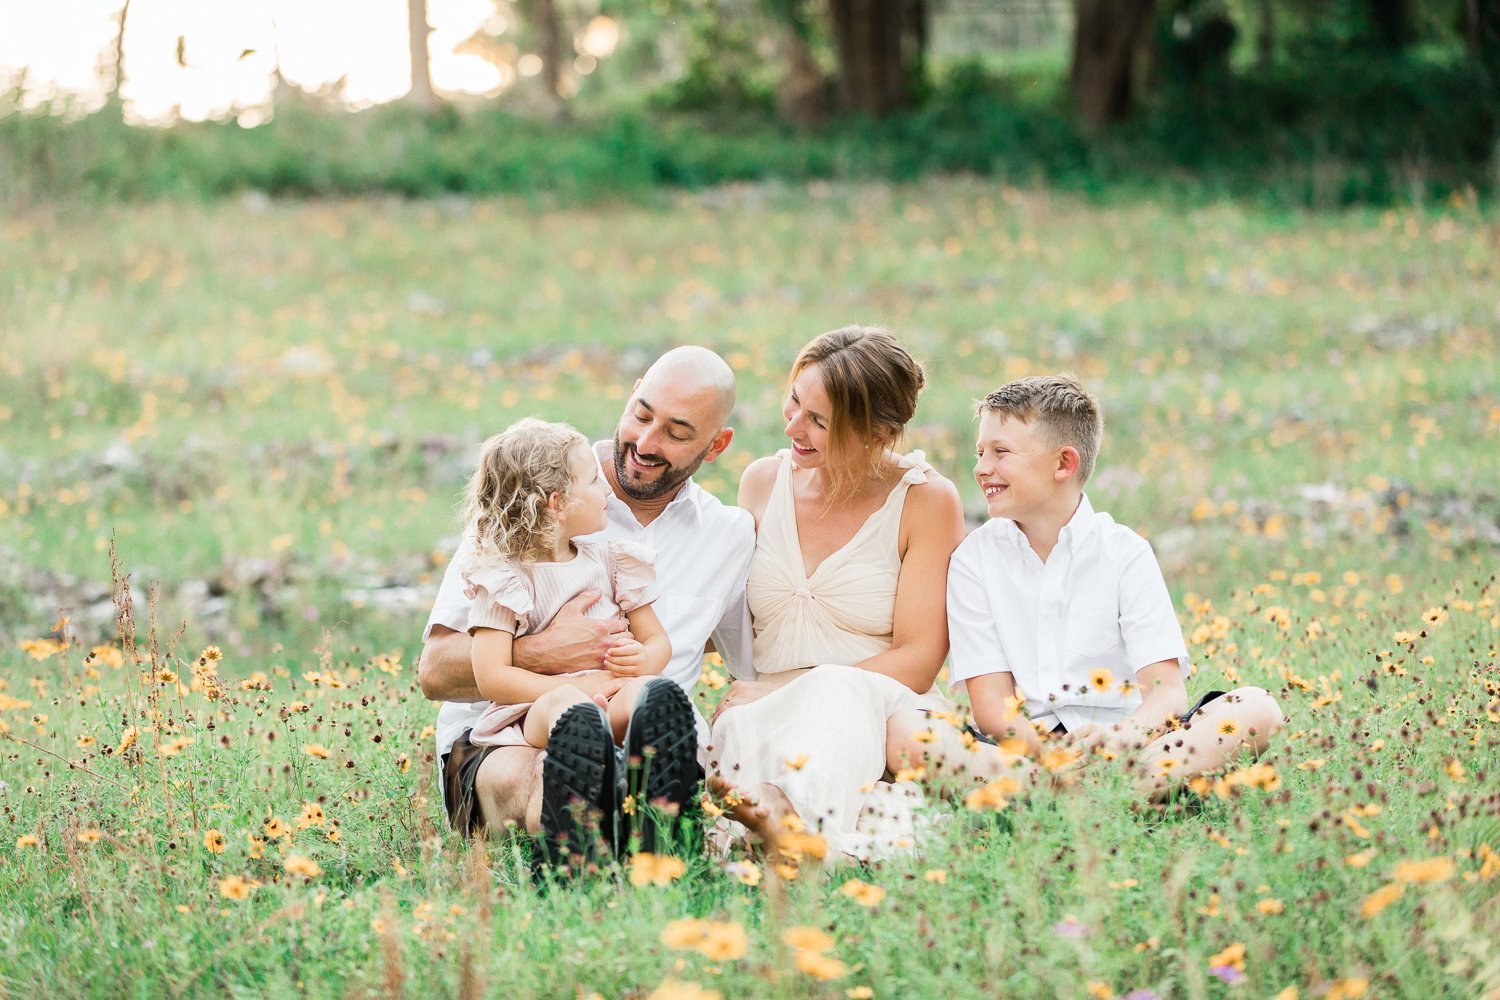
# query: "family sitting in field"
[[573, 620]]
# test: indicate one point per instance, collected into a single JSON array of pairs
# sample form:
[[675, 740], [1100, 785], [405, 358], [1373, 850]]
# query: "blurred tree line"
[[1299, 101]]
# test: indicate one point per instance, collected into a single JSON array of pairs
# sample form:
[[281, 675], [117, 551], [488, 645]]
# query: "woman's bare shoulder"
[[934, 506], [756, 482], [936, 495]]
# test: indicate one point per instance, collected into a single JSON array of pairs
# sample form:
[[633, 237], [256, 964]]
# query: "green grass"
[[274, 405]]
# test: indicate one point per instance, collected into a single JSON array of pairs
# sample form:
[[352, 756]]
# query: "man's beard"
[[669, 479]]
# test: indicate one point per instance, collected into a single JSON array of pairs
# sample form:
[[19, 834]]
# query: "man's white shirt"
[[1099, 601], [703, 550]]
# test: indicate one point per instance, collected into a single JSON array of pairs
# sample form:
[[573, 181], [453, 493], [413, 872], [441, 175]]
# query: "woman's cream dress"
[[821, 739]]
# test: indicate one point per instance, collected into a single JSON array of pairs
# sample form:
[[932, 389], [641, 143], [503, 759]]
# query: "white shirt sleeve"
[[974, 645], [732, 636], [1148, 622], [451, 609]]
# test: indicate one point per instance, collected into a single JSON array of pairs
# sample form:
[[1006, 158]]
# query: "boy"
[[1059, 619]]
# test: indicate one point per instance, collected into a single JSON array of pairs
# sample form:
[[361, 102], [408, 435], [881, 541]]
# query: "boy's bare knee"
[[1260, 714], [1261, 710]]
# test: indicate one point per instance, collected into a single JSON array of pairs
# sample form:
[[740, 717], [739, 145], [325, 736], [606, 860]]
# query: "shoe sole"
[[578, 789], [661, 761]]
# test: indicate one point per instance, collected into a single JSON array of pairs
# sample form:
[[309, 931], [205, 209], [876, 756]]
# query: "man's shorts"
[[1061, 730], [460, 771]]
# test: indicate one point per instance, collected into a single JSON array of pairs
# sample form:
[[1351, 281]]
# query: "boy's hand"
[[1093, 738], [626, 659]]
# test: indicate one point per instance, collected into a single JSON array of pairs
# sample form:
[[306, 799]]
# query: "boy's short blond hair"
[[1061, 407]]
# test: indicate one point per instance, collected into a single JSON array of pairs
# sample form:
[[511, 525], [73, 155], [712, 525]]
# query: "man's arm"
[[445, 669], [569, 644]]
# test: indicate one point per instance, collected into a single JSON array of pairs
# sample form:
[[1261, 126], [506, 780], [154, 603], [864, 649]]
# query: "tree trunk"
[[1265, 35], [1107, 36], [544, 20], [874, 73], [421, 94], [802, 97], [119, 80], [1482, 32], [1391, 21]]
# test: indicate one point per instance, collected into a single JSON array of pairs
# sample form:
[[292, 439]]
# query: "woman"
[[846, 591]]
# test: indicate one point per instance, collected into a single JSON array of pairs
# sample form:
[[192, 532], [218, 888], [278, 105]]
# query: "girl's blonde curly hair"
[[506, 499]]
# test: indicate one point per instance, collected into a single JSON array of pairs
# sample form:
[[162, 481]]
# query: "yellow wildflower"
[[819, 966], [1380, 899], [724, 942], [236, 888], [655, 869], [1431, 870], [806, 939], [862, 893], [297, 864], [673, 989]]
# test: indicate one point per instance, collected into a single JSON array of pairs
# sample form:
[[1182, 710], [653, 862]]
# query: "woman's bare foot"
[[763, 810]]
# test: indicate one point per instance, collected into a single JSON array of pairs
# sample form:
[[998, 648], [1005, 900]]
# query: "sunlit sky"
[[66, 49]]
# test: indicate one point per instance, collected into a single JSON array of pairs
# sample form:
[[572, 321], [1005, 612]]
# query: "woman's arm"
[[933, 525], [649, 652], [503, 683]]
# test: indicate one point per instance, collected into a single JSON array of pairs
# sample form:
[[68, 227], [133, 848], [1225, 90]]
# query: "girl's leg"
[[915, 739], [546, 710], [1244, 719]]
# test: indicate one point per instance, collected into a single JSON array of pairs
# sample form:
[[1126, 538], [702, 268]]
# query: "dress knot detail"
[[916, 465]]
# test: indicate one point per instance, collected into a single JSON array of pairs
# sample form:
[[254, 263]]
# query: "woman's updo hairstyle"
[[872, 384]]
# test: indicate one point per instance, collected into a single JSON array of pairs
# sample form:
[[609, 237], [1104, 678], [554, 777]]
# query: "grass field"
[[269, 409]]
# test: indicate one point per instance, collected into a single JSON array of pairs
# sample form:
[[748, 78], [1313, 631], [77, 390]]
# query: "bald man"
[[675, 420]]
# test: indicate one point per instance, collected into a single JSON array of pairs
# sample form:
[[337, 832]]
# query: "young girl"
[[536, 491]]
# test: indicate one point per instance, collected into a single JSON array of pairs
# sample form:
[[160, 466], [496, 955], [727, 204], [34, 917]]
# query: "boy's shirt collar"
[[1073, 534], [1079, 526]]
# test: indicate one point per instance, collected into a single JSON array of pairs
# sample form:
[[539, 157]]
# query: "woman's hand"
[[744, 692], [740, 693]]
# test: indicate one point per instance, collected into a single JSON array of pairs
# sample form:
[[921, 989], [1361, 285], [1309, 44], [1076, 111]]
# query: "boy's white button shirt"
[[1098, 601], [703, 550]]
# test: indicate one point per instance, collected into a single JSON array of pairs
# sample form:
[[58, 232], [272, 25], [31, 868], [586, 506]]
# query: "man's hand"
[[571, 643], [626, 659]]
